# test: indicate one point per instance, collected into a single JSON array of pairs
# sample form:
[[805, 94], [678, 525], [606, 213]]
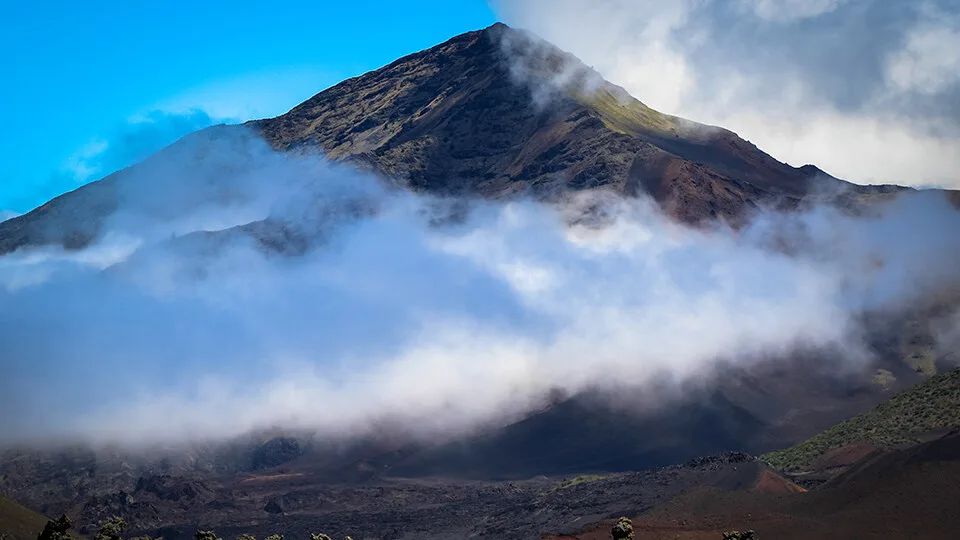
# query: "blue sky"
[[91, 86]]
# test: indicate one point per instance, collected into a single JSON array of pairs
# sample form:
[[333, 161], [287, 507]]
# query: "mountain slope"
[[494, 113], [906, 418], [754, 411], [582, 435], [18, 522]]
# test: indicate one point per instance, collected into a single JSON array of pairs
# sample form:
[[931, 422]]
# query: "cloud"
[[233, 100], [126, 144], [132, 142], [865, 90], [948, 338], [184, 322], [790, 10], [929, 62], [83, 164]]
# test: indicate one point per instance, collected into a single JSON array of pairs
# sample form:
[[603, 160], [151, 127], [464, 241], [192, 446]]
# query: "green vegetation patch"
[[581, 479], [623, 113], [884, 378], [923, 360], [933, 404]]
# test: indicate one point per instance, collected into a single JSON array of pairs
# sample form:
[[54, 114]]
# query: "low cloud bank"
[[188, 321]]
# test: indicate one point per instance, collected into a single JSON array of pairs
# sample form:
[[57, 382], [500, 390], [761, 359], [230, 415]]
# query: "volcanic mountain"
[[496, 114], [493, 113]]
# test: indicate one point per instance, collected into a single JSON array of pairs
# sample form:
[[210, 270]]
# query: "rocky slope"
[[296, 502]]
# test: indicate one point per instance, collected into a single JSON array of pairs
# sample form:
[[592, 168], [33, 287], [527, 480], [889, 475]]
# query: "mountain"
[[498, 112], [494, 113]]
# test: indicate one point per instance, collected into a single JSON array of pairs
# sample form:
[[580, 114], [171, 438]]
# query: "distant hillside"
[[904, 494], [18, 522], [904, 418]]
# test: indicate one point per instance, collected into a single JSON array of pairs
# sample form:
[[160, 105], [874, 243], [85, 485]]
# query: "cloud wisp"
[[126, 144], [187, 320]]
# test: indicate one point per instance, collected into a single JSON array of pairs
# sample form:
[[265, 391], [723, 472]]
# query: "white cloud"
[[854, 147], [83, 165], [35, 266], [929, 62], [790, 10], [865, 90], [437, 329]]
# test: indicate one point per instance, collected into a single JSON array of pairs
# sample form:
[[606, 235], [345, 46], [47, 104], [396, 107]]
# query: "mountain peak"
[[497, 27], [500, 111]]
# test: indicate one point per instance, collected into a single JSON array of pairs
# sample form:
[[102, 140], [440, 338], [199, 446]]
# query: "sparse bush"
[[206, 535], [623, 529], [111, 529], [738, 535], [275, 537], [320, 536], [246, 537], [56, 529]]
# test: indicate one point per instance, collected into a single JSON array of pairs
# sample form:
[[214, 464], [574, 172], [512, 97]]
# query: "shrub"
[[206, 535], [111, 529], [622, 530], [56, 529]]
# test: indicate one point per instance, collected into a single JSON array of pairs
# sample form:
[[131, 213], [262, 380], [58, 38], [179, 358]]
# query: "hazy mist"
[[181, 323]]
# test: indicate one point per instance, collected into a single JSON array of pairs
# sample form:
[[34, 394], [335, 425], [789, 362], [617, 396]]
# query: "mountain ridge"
[[646, 151], [493, 113]]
